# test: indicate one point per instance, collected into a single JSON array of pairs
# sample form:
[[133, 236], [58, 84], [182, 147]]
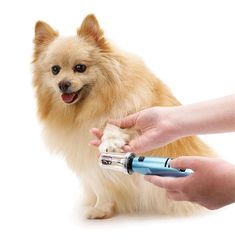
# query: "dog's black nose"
[[64, 85]]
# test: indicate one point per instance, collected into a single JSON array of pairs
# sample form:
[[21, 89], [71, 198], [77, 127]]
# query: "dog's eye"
[[55, 69], [79, 68]]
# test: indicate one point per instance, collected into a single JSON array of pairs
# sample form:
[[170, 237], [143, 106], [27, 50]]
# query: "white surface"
[[188, 44]]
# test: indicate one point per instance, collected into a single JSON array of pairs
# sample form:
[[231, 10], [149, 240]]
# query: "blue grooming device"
[[130, 163]]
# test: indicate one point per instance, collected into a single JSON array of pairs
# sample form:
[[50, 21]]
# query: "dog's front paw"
[[105, 211], [113, 139], [112, 145]]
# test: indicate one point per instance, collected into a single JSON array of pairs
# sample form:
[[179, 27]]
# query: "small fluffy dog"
[[80, 82]]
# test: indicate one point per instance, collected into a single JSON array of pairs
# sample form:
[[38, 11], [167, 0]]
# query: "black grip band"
[[129, 163]]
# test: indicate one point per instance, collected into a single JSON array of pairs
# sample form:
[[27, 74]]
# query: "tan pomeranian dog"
[[80, 82]]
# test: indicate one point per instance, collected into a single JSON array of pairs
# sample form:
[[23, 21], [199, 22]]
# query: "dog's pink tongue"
[[68, 97]]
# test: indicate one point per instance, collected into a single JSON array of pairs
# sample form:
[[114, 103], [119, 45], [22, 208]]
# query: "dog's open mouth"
[[70, 97]]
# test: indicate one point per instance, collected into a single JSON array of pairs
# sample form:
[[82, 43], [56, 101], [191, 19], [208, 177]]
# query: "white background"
[[190, 45]]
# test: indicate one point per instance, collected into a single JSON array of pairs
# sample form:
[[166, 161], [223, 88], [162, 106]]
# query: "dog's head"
[[67, 69]]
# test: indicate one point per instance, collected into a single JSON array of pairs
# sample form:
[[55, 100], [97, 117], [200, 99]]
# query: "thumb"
[[184, 162], [127, 122]]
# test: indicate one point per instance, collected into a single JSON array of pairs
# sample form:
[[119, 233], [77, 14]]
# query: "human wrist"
[[177, 122]]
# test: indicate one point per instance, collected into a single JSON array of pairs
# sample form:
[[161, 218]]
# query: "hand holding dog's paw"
[[112, 139]]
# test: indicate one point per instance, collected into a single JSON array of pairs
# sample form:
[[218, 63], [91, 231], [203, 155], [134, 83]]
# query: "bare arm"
[[214, 116]]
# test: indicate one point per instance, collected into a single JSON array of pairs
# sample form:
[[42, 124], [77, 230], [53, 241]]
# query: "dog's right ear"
[[44, 35]]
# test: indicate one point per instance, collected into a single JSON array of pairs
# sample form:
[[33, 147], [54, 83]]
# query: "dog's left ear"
[[91, 31]]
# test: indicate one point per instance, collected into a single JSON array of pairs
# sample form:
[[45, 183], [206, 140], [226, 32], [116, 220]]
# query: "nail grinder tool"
[[129, 163]]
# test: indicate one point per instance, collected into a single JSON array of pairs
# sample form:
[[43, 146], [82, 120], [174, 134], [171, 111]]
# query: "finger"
[[184, 162], [127, 148], [96, 132], [135, 146], [127, 122], [175, 195], [95, 143], [169, 183]]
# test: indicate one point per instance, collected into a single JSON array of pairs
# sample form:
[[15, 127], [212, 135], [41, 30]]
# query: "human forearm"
[[213, 116]]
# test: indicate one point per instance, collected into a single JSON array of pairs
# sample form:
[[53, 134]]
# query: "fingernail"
[[127, 148]]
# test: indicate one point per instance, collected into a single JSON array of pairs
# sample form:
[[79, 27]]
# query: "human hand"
[[155, 127], [212, 184]]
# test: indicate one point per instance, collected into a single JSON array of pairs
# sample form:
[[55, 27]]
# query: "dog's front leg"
[[113, 140]]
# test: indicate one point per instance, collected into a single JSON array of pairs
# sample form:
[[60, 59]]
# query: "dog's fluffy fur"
[[114, 85]]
